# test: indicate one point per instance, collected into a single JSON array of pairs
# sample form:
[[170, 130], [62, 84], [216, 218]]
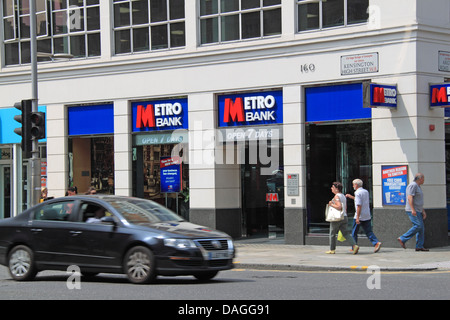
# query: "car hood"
[[185, 229]]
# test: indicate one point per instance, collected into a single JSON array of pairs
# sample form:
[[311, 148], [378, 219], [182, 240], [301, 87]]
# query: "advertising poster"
[[394, 183], [170, 169]]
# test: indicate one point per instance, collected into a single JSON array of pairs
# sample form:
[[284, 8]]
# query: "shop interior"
[[91, 164], [147, 176]]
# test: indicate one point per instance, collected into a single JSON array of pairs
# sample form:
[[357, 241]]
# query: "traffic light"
[[25, 131], [37, 125]]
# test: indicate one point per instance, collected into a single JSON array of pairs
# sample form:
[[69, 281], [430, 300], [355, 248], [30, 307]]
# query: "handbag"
[[333, 214]]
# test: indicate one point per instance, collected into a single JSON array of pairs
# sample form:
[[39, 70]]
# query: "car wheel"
[[21, 263], [139, 265], [206, 276]]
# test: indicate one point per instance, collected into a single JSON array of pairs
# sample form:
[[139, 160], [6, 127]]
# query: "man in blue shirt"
[[416, 213], [362, 215]]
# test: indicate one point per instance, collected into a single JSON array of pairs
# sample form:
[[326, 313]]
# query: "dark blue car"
[[111, 234]]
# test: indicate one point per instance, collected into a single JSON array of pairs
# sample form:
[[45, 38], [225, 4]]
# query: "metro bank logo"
[[247, 109], [160, 115], [440, 95], [383, 96]]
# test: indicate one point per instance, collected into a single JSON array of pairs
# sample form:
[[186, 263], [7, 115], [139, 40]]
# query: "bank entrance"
[[335, 152], [262, 185]]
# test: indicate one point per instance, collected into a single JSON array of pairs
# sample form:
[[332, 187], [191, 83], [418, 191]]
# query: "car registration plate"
[[222, 254]]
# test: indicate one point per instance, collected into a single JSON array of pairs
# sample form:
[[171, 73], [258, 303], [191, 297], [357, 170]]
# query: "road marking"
[[350, 271]]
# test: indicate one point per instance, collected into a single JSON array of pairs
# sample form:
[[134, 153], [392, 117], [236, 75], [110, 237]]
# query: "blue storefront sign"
[[170, 172], [383, 96], [159, 115], [394, 183], [440, 95], [92, 119], [336, 102], [250, 109]]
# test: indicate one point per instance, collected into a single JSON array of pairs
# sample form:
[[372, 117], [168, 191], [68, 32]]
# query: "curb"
[[287, 267]]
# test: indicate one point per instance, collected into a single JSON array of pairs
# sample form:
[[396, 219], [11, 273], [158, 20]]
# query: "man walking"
[[416, 213], [362, 215]]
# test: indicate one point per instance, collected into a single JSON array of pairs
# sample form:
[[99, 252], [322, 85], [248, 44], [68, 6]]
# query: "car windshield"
[[138, 211]]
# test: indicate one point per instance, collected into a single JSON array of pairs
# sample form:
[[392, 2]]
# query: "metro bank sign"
[[249, 109], [440, 95], [159, 115]]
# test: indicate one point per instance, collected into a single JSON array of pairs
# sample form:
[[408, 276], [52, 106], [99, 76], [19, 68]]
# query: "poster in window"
[[170, 169]]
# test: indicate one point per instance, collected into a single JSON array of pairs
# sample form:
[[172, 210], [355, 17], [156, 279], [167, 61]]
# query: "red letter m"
[[233, 111], [378, 95], [145, 117], [439, 95]]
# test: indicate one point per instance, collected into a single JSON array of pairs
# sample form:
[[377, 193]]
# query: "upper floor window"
[[63, 26], [228, 20], [321, 14], [144, 25]]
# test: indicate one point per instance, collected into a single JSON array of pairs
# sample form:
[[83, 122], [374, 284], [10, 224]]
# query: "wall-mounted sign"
[[359, 63], [394, 183], [440, 95], [256, 108], [170, 169], [383, 96], [159, 115], [444, 61]]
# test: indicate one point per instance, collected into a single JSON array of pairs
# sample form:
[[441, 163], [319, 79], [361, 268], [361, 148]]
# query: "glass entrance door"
[[335, 152], [5, 191], [262, 193]]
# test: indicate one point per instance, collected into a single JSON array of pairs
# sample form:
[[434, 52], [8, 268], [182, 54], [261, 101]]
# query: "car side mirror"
[[108, 220]]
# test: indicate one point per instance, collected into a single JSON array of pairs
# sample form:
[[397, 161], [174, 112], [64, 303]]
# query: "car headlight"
[[179, 243]]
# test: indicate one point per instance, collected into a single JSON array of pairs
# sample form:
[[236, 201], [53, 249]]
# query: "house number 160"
[[305, 68]]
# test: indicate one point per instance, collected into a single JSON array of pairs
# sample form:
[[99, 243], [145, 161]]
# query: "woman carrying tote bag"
[[339, 202]]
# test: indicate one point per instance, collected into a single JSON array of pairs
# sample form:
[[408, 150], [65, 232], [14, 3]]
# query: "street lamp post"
[[35, 160]]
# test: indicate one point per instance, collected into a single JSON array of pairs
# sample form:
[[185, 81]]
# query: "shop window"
[[231, 20], [147, 176], [322, 14], [63, 26], [91, 162], [147, 25]]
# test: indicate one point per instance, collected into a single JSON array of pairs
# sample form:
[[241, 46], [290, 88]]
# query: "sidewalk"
[[277, 256]]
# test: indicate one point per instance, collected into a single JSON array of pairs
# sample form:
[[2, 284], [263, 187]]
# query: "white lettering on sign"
[[259, 102], [168, 109]]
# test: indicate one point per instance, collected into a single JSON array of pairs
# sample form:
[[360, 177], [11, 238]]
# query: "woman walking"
[[339, 202]]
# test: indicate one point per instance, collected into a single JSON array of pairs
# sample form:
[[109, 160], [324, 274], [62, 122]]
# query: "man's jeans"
[[417, 229], [367, 226]]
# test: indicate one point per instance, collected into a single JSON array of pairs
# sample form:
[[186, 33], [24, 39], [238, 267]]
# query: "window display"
[[91, 164], [149, 174]]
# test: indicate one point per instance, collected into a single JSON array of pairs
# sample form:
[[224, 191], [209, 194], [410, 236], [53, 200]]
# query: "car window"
[[92, 213], [59, 211], [143, 211]]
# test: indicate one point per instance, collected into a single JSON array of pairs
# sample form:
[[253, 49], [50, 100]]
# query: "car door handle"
[[36, 230], [76, 233]]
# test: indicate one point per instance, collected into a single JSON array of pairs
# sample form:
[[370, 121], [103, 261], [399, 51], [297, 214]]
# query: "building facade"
[[237, 114]]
